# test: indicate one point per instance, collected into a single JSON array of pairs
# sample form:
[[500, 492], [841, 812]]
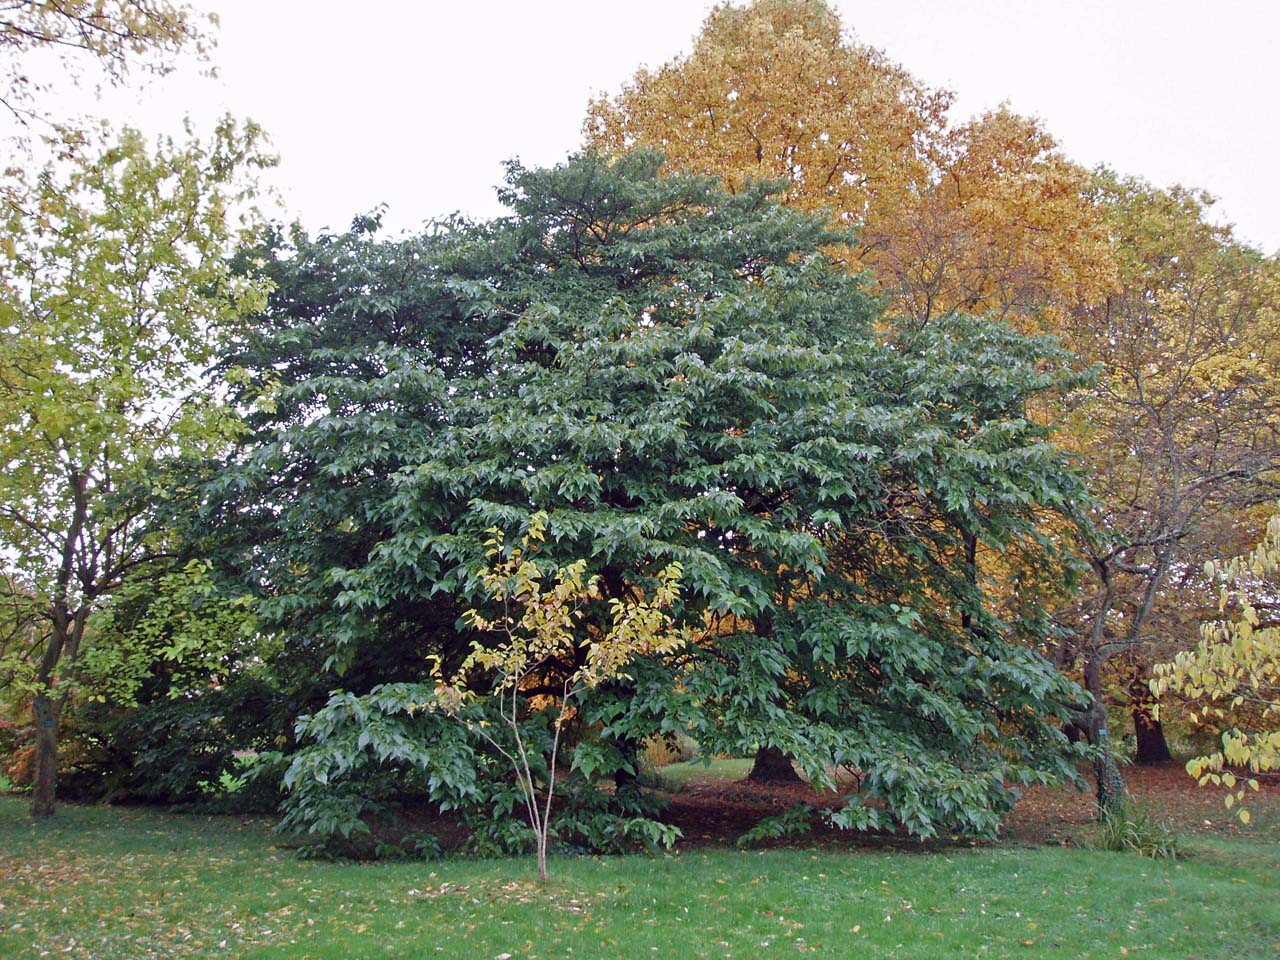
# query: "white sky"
[[416, 104]]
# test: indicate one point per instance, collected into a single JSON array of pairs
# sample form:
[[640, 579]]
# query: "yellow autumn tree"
[[1233, 676], [541, 637], [985, 217], [1180, 432]]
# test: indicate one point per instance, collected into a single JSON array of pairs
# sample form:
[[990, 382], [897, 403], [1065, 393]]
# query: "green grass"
[[678, 774], [108, 883]]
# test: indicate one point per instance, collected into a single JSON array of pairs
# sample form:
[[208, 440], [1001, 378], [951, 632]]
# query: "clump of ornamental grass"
[[1131, 827]]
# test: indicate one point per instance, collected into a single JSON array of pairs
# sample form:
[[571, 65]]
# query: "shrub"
[[1133, 828], [795, 822]]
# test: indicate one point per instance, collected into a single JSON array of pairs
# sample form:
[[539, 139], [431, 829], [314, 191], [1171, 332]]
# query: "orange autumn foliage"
[[984, 217]]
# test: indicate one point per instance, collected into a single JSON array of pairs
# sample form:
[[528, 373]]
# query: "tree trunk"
[[543, 875], [44, 714], [1152, 746], [1105, 770], [62, 649], [773, 766]]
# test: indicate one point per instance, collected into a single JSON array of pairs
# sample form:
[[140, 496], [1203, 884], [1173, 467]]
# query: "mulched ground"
[[715, 812], [1047, 816]]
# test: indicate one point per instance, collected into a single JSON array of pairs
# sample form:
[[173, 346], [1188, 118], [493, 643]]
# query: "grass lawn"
[[111, 883], [679, 774]]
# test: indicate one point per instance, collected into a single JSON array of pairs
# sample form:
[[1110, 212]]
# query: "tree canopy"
[[117, 35], [676, 373], [985, 216], [115, 291]]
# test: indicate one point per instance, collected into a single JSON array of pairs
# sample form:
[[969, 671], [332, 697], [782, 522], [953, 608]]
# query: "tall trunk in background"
[[773, 766], [1152, 746], [1105, 770]]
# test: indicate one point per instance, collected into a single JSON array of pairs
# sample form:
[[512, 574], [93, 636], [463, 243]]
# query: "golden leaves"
[[984, 217], [540, 623], [1234, 675]]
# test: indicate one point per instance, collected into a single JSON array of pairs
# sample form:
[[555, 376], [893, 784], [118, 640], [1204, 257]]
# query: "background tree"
[[985, 217], [114, 292], [1181, 431]]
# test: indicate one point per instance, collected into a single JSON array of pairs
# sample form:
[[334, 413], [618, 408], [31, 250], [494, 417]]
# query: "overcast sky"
[[416, 104]]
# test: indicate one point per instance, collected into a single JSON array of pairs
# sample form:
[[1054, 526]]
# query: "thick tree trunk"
[[44, 786], [1152, 746], [773, 766], [61, 651], [1105, 770]]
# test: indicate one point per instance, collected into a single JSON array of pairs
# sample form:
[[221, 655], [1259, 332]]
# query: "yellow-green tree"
[[546, 641], [115, 293], [983, 217], [117, 35], [1232, 678]]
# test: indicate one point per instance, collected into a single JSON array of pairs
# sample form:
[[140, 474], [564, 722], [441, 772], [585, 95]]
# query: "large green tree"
[[676, 373], [114, 293]]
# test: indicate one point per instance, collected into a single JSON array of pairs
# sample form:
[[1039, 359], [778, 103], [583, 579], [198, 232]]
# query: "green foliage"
[[672, 373], [179, 625], [1131, 827], [795, 822], [360, 753], [366, 755], [340, 381], [180, 750]]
